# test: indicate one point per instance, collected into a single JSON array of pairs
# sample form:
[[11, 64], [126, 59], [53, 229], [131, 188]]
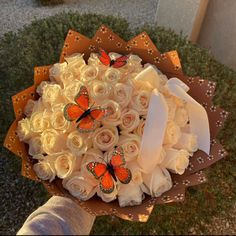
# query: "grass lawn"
[[40, 44]]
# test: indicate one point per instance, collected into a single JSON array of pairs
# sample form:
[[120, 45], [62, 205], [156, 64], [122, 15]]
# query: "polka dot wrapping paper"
[[169, 63]]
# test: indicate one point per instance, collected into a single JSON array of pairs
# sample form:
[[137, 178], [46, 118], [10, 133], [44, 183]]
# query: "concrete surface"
[[218, 32], [14, 14]]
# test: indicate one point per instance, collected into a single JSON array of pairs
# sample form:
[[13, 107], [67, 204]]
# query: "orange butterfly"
[[109, 172], [106, 60], [84, 115]]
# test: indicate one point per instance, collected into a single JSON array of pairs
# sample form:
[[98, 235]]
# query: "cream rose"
[[157, 182], [23, 130], [39, 121], [77, 143], [59, 122], [99, 90], [71, 90], [112, 76], [114, 118], [139, 129], [135, 171], [92, 154], [172, 134], [122, 94], [181, 116], [105, 138], [35, 146], [45, 170], [52, 141], [29, 107], [51, 94], [130, 194], [88, 73], [140, 102], [65, 164], [176, 160], [188, 142], [75, 64], [129, 120], [107, 197], [56, 71], [79, 186], [131, 146]]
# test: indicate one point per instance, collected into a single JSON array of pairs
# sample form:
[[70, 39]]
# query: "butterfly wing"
[[123, 174], [72, 112], [97, 169], [107, 183], [120, 61], [82, 98], [104, 57], [100, 113], [86, 124], [117, 158]]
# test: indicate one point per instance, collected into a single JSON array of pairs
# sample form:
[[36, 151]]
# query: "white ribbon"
[[154, 131], [199, 123]]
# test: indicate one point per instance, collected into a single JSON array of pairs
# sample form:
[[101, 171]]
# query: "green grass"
[[40, 44]]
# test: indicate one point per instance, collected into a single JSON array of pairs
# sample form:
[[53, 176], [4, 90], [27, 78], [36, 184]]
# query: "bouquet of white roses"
[[114, 126]]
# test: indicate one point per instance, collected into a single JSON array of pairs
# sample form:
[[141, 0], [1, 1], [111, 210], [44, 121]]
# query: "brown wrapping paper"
[[169, 64]]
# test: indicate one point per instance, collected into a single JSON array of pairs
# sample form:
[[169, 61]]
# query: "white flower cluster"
[[64, 152]]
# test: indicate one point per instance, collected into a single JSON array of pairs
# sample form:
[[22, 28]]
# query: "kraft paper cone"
[[169, 63]]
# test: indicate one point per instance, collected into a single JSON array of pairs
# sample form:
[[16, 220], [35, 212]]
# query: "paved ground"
[[14, 14]]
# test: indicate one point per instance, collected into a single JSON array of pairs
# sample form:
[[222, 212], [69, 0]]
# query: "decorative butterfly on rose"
[[81, 111], [110, 171]]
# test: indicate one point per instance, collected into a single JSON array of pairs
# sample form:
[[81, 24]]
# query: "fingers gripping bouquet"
[[117, 132]]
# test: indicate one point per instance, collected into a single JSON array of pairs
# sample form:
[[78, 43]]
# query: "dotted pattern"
[[168, 63]]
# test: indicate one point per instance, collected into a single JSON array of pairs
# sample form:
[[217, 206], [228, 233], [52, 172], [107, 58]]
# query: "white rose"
[[131, 146], [77, 143], [188, 142], [88, 73], [29, 107], [114, 118], [99, 90], [112, 75], [135, 171], [45, 170], [181, 116], [157, 182], [129, 120], [172, 133], [92, 154], [52, 141], [140, 102], [71, 90], [122, 94], [107, 197], [79, 186], [93, 59], [130, 194], [139, 129], [38, 107], [56, 71], [35, 146], [171, 108], [51, 94], [65, 164], [40, 87], [134, 62], [176, 160], [59, 122], [105, 138], [39, 121], [24, 130]]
